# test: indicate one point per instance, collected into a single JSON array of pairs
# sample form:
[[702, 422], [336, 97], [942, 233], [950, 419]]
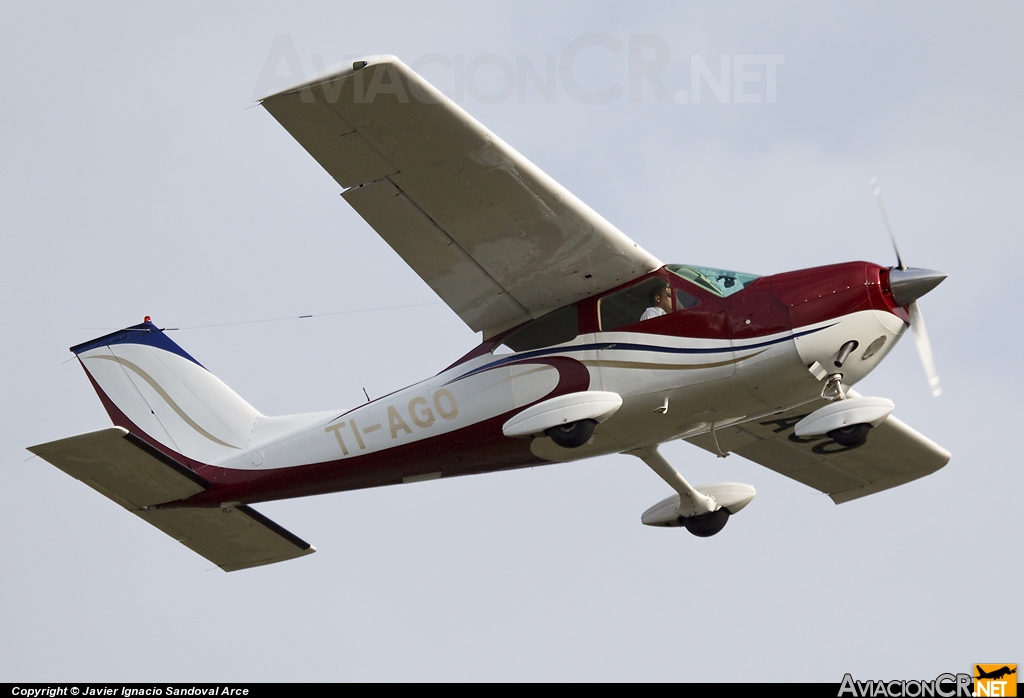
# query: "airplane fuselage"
[[722, 362]]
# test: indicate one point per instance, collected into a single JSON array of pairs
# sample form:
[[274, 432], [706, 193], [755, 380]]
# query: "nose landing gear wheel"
[[851, 436]]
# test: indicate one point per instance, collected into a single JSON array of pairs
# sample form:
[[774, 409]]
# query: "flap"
[[893, 455], [534, 247]]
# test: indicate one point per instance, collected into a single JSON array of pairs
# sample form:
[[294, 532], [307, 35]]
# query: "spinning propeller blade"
[[877, 191], [924, 348], [907, 285]]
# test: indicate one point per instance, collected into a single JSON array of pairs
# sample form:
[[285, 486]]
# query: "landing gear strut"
[[853, 435], [703, 512], [846, 420], [833, 388]]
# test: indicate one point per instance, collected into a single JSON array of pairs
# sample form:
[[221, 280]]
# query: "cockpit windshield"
[[720, 282]]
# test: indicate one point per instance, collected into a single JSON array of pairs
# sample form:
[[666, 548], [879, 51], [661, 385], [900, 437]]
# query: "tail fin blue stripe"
[[146, 333]]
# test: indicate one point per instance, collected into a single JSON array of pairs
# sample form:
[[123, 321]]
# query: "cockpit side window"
[[557, 327], [684, 301], [638, 302]]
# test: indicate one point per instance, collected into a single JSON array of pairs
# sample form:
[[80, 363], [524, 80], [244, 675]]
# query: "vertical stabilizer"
[[155, 389]]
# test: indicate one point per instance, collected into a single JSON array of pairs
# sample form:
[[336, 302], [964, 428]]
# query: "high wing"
[[124, 468], [893, 455], [497, 239]]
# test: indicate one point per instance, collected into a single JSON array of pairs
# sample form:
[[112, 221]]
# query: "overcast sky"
[[134, 180]]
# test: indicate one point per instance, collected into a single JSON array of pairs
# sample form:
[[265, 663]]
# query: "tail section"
[[156, 390], [172, 414]]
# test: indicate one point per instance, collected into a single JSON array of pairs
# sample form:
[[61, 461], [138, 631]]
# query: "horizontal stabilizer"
[[233, 538], [122, 467], [125, 469]]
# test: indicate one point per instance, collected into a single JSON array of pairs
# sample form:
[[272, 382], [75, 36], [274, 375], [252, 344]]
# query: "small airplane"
[[995, 674], [590, 346]]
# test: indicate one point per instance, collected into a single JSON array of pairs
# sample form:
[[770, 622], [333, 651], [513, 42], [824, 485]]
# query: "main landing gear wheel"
[[707, 525], [572, 435], [851, 436]]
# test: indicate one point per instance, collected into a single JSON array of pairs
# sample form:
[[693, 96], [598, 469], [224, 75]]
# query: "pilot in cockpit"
[[660, 300]]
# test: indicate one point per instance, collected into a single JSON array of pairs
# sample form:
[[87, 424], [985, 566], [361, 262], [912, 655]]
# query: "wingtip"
[[338, 70]]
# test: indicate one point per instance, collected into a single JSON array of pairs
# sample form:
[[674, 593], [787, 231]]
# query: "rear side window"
[[557, 327]]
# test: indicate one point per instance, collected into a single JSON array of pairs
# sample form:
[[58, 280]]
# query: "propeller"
[[907, 285]]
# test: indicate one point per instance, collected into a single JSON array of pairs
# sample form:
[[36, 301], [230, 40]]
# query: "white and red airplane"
[[590, 346]]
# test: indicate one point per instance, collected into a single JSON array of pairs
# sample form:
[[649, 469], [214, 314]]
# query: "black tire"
[[851, 436], [572, 435], [707, 525]]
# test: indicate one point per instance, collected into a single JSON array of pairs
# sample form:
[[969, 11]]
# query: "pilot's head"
[[661, 297]]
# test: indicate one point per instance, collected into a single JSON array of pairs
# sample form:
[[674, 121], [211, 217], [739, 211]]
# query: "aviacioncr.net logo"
[[995, 680], [943, 686]]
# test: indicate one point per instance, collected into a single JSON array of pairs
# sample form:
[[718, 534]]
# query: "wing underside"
[[125, 469], [893, 455], [497, 239]]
